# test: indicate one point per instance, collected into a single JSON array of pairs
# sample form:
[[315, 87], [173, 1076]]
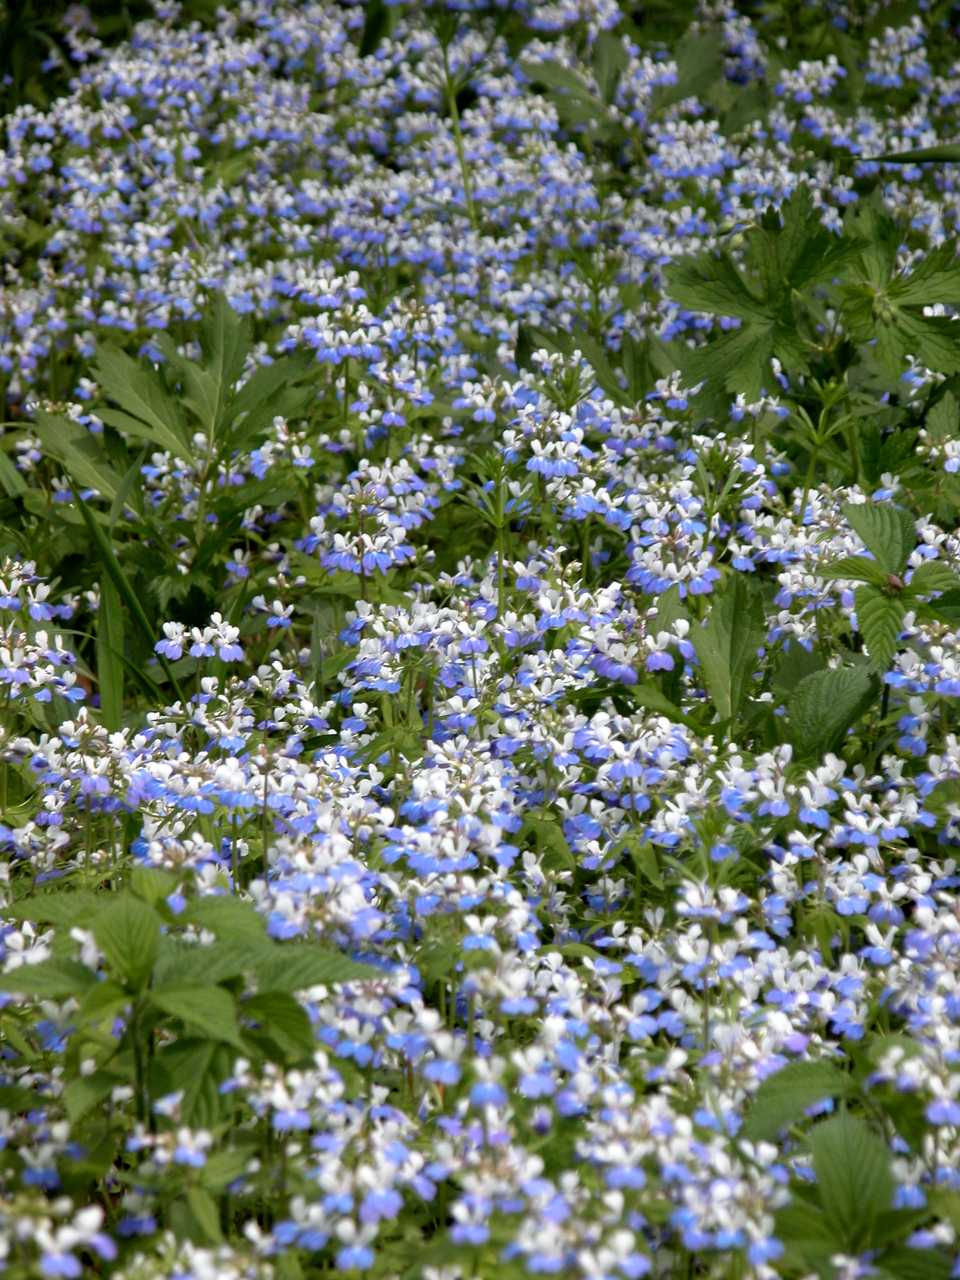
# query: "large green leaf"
[[205, 1007], [300, 965], [127, 931], [197, 1067], [283, 1023], [854, 1180], [880, 618], [54, 979], [727, 644], [824, 705], [783, 1097], [887, 531], [64, 907], [82, 456], [227, 916], [146, 410], [225, 342]]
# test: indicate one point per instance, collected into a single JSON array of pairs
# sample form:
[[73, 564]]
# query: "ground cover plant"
[[479, 658]]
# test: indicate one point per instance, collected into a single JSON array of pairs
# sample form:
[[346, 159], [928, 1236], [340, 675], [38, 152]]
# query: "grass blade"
[[119, 579], [109, 654]]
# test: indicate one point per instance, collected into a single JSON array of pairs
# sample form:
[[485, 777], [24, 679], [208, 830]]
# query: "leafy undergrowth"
[[479, 646]]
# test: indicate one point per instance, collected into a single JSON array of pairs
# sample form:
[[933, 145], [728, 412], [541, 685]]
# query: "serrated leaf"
[[887, 531], [78, 452], [880, 619], [190, 962], [142, 400], [207, 1008], [805, 1230], [852, 569], [784, 1096], [198, 1067], [53, 979], [225, 915], [727, 644], [127, 931], [824, 705], [934, 279], [297, 966], [65, 907], [284, 1021], [933, 575], [854, 1182], [151, 883]]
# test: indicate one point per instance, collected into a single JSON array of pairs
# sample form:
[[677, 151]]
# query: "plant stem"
[[458, 140]]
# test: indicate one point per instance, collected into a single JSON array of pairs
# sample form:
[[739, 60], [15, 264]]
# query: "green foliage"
[[784, 256], [823, 706], [784, 1096], [727, 643]]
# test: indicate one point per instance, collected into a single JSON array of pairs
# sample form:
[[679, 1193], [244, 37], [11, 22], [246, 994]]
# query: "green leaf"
[[915, 1264], [727, 645], [227, 916], [644, 855], [127, 931], [152, 884], [854, 1181], [255, 404], [945, 151], [935, 278], [795, 664], [700, 58], [224, 1167], [110, 655], [48, 979], [548, 833], [207, 1008], [609, 63], [197, 1067], [190, 963], [806, 1231], [101, 1001], [880, 618], [852, 569], [933, 575], [83, 1093], [888, 532], [784, 1096], [65, 907], [824, 705], [297, 966], [146, 409], [284, 1021], [203, 1209], [225, 341], [78, 452], [11, 481], [119, 579], [556, 76]]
